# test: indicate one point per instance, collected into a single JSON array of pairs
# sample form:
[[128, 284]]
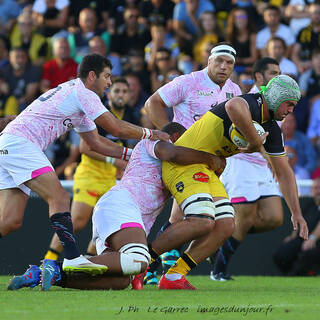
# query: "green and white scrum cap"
[[279, 89]]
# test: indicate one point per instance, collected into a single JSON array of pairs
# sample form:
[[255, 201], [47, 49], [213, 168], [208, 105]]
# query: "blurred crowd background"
[[150, 42]]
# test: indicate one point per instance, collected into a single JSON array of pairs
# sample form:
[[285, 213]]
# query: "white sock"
[[173, 276]]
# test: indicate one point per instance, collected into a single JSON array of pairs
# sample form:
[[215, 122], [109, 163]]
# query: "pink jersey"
[[142, 178], [70, 105], [192, 95], [255, 157]]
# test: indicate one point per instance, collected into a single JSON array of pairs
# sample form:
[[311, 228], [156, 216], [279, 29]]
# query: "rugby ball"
[[238, 139]]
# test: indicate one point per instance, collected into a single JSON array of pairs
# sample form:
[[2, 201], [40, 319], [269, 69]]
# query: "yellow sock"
[[183, 265], [51, 255]]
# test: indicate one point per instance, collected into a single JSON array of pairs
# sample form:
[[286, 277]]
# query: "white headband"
[[223, 50]]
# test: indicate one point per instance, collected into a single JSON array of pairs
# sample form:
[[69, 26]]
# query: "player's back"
[[70, 105], [142, 178]]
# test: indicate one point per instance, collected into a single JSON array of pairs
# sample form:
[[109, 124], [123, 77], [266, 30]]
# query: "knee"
[[225, 227], [273, 221], [201, 225], [10, 225], [134, 258]]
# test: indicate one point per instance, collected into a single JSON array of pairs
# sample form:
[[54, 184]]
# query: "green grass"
[[288, 298]]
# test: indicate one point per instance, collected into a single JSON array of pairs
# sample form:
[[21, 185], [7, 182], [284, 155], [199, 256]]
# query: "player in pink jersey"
[[251, 187], [191, 96], [123, 217], [23, 165]]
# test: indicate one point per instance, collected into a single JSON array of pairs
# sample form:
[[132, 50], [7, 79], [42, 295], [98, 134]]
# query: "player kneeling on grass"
[[123, 217]]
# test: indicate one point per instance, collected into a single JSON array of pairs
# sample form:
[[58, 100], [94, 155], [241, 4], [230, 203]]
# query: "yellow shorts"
[[89, 191], [185, 181]]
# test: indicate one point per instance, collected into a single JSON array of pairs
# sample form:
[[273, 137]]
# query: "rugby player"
[[24, 167], [251, 188], [199, 192], [124, 216], [190, 96], [95, 174]]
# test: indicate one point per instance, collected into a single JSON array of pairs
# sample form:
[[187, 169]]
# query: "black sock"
[[153, 254], [154, 265], [61, 223], [0, 235], [224, 255], [157, 262]]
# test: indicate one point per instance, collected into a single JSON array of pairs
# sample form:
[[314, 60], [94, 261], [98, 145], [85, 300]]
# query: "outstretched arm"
[[126, 130], [85, 149], [99, 144], [288, 187], [166, 151]]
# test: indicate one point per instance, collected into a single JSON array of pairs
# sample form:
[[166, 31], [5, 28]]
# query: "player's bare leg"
[[99, 282], [112, 258], [50, 189], [12, 206], [206, 245], [80, 215], [263, 215], [269, 214], [91, 250]]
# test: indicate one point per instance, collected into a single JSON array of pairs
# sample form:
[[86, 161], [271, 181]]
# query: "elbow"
[[147, 106]]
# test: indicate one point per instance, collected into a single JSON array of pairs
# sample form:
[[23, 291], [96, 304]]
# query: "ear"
[[92, 75], [174, 137]]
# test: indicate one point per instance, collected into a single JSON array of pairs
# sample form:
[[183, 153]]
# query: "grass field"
[[245, 298]]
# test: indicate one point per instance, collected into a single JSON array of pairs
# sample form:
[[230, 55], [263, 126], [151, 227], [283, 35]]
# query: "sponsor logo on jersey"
[[205, 93], [200, 176], [229, 95], [259, 101], [196, 117], [67, 123], [180, 186]]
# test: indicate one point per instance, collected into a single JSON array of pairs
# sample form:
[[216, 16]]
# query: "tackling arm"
[[166, 151], [85, 149], [96, 143], [126, 130], [288, 187]]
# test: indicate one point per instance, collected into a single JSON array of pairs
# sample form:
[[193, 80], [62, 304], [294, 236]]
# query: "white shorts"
[[114, 211], [248, 182], [20, 161]]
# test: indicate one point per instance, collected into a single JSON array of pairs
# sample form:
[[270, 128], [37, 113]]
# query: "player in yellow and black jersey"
[[199, 192], [96, 174]]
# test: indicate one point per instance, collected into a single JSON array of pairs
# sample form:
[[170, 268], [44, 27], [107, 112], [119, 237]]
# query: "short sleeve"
[[90, 104], [86, 125], [274, 144], [150, 145]]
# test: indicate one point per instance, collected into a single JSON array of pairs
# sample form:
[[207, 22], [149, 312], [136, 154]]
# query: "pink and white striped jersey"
[[192, 95], [255, 157], [142, 178], [70, 105]]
